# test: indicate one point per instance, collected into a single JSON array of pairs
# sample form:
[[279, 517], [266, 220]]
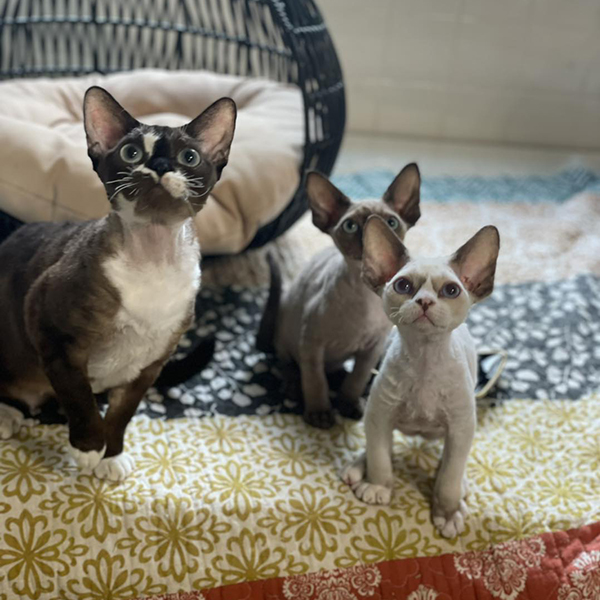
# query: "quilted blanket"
[[235, 497]]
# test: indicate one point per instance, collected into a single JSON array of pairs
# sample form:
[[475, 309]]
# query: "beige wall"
[[525, 71]]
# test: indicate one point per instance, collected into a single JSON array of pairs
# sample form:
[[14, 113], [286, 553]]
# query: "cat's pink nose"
[[425, 303]]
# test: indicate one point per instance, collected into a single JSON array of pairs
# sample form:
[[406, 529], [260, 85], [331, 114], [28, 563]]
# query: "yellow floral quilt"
[[222, 500]]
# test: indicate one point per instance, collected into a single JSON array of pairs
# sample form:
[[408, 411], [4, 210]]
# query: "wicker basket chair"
[[283, 40]]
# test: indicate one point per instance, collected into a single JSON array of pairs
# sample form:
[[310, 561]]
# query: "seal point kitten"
[[328, 315]]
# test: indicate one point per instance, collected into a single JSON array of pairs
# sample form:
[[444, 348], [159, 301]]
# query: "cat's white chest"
[[156, 297], [418, 400], [422, 393]]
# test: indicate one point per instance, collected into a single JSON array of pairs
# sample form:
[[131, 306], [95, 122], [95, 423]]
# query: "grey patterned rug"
[[551, 332]]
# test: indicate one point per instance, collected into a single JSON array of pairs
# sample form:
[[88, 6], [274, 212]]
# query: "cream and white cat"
[[426, 385]]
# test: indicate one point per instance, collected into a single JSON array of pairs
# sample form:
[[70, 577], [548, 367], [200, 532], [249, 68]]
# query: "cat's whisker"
[[127, 175], [395, 313], [120, 189], [124, 186], [196, 182]]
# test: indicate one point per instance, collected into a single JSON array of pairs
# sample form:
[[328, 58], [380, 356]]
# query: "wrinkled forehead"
[[366, 208], [362, 210], [436, 270], [159, 141]]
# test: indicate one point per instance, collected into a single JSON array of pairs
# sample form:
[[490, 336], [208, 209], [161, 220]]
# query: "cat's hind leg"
[[18, 402], [12, 416], [11, 421]]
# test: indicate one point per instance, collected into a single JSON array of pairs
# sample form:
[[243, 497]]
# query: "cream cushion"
[[45, 173]]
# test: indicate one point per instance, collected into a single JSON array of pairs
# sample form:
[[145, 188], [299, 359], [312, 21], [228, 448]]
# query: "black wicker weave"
[[283, 40]]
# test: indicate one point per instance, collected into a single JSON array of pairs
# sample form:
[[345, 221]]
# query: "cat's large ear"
[[105, 121], [404, 194], [214, 129], [383, 253], [327, 203], [475, 262]]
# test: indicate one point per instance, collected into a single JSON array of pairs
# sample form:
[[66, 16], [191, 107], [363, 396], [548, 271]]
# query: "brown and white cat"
[[426, 384], [329, 315], [95, 307]]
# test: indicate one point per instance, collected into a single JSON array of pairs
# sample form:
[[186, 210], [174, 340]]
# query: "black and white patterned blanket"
[[551, 332]]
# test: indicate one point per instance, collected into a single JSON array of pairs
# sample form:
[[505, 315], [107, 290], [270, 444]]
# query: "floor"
[[360, 152]]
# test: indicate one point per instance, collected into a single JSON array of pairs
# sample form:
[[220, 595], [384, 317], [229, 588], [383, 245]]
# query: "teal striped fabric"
[[556, 187]]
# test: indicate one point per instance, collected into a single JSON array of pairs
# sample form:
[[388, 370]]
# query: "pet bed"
[[238, 498], [47, 175]]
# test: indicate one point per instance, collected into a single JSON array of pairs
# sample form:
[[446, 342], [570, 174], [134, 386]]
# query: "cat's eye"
[[403, 286], [393, 223], [131, 153], [189, 158], [350, 226], [450, 290]]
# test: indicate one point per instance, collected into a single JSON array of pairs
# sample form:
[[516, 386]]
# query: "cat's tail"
[[176, 372], [265, 338]]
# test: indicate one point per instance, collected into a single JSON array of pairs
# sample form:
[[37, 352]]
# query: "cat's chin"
[[422, 326], [426, 326], [424, 319]]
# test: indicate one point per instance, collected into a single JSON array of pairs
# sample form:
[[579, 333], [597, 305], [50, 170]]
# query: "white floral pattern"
[[178, 596], [584, 579], [338, 584], [423, 593], [503, 568]]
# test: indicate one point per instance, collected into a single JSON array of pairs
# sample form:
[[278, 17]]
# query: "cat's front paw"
[[353, 473], [115, 468], [372, 493], [86, 461], [450, 523], [11, 421], [322, 419], [351, 408]]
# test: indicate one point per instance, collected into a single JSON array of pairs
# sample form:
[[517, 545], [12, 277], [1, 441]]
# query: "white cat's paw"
[[11, 421], [86, 461], [115, 468], [353, 473], [371, 493], [454, 524]]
